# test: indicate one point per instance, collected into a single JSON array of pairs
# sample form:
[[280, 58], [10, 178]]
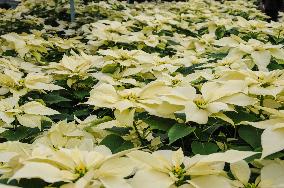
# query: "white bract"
[[30, 114]]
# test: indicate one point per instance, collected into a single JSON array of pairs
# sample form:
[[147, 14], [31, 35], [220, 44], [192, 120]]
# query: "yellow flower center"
[[258, 48], [81, 170], [260, 78], [251, 185], [179, 174], [200, 102], [111, 30], [22, 81], [175, 82], [225, 62], [20, 84], [177, 170], [131, 96], [265, 83], [124, 57]]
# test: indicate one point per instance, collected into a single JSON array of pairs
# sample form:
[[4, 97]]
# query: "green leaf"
[[220, 32], [45, 124], [81, 94], [253, 158], [162, 124], [30, 183], [279, 154], [241, 148], [217, 56], [83, 112], [116, 143], [201, 134], [204, 148], [119, 130], [179, 131], [110, 68], [275, 65], [53, 99], [87, 83], [241, 115], [12, 53], [101, 120], [189, 70], [161, 46], [251, 135], [62, 116], [20, 133]]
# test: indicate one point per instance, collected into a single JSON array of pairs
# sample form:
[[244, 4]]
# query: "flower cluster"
[[151, 95]]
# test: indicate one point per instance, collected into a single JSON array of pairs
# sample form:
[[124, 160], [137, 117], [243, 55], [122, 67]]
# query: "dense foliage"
[[186, 94]]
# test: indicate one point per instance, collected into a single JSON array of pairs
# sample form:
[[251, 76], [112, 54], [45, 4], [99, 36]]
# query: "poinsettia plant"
[[185, 94]]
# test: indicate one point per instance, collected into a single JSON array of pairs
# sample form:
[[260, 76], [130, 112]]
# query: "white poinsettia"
[[241, 172], [272, 139], [259, 82], [29, 114], [232, 62], [169, 169], [26, 43], [276, 116], [199, 45], [253, 25], [123, 57], [265, 83], [79, 167], [38, 81], [20, 46], [11, 155], [115, 79], [201, 106], [260, 52], [105, 30], [105, 95], [153, 63], [65, 44], [270, 175], [166, 63], [198, 107], [74, 68], [273, 134], [149, 40], [67, 135], [14, 80], [177, 81], [17, 64]]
